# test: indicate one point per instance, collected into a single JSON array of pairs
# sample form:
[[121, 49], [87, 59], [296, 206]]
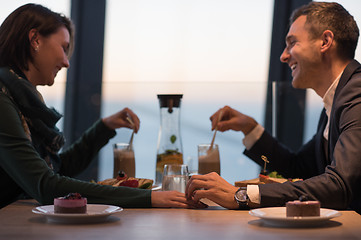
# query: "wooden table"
[[18, 222]]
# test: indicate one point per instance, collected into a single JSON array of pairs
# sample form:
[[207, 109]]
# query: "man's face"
[[302, 55]]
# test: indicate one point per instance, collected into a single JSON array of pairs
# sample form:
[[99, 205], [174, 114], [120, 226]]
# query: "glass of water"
[[175, 177]]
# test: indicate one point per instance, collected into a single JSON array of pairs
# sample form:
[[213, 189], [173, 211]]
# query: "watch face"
[[241, 195], [242, 198]]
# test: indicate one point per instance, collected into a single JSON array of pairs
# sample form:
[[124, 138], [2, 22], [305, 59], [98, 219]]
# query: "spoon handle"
[[131, 137], [215, 130]]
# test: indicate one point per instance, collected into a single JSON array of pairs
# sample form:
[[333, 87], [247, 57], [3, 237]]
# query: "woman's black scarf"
[[40, 119]]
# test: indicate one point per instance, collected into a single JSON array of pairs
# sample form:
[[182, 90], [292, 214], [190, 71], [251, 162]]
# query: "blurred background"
[[213, 52]]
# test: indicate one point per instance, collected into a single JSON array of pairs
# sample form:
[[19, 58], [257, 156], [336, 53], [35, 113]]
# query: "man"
[[320, 48]]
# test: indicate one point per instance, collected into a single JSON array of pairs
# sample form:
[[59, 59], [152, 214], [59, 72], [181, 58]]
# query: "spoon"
[[131, 137], [215, 130]]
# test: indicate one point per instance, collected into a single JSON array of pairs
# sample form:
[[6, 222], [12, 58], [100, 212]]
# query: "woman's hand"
[[119, 120], [173, 199], [213, 187]]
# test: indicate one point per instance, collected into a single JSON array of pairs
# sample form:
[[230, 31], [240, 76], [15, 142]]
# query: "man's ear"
[[34, 39], [327, 40]]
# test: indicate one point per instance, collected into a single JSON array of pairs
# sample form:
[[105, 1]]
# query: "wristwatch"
[[241, 198]]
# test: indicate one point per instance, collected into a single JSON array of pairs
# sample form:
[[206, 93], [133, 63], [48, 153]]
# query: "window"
[[206, 50], [215, 53]]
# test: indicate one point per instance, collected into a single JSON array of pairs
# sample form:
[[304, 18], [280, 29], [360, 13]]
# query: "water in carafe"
[[169, 148]]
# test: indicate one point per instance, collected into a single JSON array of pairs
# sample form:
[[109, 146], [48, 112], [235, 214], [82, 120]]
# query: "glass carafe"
[[169, 148]]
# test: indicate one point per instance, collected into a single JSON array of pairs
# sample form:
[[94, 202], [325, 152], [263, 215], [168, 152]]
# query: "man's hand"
[[213, 187], [232, 120]]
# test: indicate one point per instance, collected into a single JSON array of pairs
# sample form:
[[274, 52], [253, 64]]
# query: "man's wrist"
[[242, 198], [250, 126], [251, 138]]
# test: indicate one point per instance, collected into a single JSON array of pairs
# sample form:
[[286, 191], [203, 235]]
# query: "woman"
[[35, 43]]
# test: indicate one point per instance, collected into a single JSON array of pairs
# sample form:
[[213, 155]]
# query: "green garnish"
[[274, 174], [173, 138]]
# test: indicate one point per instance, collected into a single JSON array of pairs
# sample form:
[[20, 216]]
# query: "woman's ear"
[[34, 39], [327, 40]]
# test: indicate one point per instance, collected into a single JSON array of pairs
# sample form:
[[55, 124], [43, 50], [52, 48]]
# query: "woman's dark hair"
[[323, 16], [14, 33]]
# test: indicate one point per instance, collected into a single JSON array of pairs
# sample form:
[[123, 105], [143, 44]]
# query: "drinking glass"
[[192, 163], [208, 159], [175, 177], [124, 159]]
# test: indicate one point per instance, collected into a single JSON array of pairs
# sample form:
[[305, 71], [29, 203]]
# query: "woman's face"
[[50, 55]]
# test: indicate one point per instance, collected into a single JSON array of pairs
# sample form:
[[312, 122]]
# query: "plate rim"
[[38, 210], [334, 213]]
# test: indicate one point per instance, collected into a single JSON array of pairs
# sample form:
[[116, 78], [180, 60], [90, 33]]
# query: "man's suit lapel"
[[345, 77], [353, 67]]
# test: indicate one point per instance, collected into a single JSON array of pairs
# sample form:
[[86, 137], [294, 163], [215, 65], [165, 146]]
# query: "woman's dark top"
[[29, 163]]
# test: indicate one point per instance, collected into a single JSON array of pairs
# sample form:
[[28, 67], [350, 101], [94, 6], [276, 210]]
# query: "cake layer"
[[302, 208], [68, 203], [58, 209], [71, 203]]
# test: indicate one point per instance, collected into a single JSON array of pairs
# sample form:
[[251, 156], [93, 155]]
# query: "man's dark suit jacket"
[[333, 178]]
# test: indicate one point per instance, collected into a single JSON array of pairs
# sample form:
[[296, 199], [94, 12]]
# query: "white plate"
[[95, 213], [276, 216]]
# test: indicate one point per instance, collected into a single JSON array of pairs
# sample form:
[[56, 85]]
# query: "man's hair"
[[323, 16], [14, 33]]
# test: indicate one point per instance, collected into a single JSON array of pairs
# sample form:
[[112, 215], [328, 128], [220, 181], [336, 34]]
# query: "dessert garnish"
[[73, 196]]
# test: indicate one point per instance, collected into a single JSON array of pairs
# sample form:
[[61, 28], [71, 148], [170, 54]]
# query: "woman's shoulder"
[[8, 109], [5, 97]]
